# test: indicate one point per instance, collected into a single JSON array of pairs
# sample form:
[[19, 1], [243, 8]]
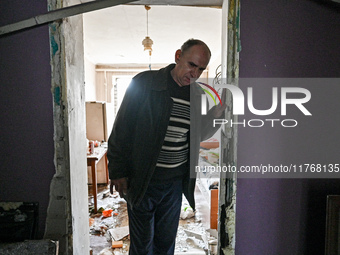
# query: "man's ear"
[[178, 55]]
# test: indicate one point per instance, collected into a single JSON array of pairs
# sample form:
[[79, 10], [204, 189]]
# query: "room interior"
[[279, 39], [114, 53]]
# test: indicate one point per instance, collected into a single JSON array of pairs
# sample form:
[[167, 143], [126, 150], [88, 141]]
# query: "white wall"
[[75, 77], [90, 80]]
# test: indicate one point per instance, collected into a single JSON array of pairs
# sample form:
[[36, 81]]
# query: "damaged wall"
[[68, 208], [26, 114], [228, 182], [288, 39], [77, 130]]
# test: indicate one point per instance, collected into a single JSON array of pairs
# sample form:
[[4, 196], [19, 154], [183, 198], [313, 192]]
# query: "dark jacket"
[[139, 130]]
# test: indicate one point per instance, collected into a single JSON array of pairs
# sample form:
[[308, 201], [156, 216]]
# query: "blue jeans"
[[153, 224]]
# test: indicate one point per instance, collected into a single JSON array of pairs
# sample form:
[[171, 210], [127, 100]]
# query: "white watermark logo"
[[301, 97]]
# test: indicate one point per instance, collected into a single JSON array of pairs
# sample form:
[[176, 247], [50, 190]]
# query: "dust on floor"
[[109, 227]]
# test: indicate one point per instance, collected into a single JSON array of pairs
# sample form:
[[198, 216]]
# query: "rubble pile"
[[111, 224]]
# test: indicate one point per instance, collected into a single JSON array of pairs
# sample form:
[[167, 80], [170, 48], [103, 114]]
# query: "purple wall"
[[279, 39], [26, 109], [288, 39]]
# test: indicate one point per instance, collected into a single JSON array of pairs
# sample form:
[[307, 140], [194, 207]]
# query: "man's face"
[[190, 64]]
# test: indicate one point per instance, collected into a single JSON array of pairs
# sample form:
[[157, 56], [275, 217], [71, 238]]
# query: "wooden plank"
[[60, 14]]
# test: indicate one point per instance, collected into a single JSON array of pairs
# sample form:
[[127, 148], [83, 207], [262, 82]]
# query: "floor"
[[194, 236]]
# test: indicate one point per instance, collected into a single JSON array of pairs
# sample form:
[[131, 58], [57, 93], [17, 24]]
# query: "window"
[[120, 85]]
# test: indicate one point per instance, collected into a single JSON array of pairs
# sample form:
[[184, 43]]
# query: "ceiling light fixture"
[[147, 42]]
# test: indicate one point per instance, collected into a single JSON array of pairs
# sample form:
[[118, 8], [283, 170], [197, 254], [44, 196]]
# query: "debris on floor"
[[186, 243], [119, 233], [186, 212], [193, 238], [109, 231], [109, 227]]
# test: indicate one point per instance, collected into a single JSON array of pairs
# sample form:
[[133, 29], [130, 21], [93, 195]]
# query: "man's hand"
[[218, 111], [120, 186]]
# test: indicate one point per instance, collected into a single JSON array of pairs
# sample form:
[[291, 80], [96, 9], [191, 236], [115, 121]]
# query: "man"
[[148, 149]]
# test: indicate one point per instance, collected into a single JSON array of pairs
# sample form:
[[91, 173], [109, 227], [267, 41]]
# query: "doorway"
[[119, 54], [70, 56]]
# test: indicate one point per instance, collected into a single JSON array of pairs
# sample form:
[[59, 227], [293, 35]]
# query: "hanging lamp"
[[147, 42]]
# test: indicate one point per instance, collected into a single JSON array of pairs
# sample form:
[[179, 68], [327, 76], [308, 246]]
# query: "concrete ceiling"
[[181, 2], [114, 35]]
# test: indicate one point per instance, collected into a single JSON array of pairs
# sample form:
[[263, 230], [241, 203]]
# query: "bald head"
[[192, 42]]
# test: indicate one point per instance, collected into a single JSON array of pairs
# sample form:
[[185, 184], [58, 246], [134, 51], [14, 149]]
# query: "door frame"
[[67, 218]]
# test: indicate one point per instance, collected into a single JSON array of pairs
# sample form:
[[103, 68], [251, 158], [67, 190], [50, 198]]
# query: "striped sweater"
[[173, 158]]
